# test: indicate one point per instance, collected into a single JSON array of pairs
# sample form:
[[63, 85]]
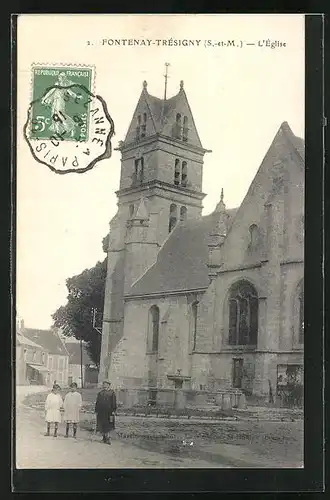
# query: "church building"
[[211, 302]]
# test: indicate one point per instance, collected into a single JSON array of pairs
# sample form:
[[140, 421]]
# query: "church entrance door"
[[237, 373]]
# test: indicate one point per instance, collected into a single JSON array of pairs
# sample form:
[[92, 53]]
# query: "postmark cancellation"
[[68, 127]]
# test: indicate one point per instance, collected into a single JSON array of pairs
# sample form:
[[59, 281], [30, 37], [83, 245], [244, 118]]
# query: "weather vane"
[[166, 77]]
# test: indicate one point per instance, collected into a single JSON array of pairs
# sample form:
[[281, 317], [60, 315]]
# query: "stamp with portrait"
[[68, 127]]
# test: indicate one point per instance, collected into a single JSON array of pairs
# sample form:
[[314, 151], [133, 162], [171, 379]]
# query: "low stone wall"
[[179, 398]]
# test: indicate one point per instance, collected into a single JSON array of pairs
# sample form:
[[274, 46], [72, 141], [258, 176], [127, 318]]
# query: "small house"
[[58, 356], [31, 362]]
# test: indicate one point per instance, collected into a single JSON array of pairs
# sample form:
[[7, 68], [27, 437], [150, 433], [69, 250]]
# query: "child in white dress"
[[53, 406], [72, 406]]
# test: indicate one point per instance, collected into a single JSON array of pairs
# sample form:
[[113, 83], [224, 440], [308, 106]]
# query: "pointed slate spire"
[[161, 116], [219, 230], [221, 207]]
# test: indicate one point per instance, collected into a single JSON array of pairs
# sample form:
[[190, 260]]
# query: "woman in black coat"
[[105, 407]]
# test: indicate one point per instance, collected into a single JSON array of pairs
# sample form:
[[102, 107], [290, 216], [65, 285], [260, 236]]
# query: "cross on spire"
[[166, 77]]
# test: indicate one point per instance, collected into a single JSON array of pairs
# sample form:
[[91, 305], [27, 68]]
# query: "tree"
[[86, 292]]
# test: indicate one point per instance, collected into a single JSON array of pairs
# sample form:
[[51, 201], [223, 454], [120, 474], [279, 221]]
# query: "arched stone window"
[[185, 129], [144, 125], [138, 127], [139, 171], [194, 315], [173, 217], [141, 177], [254, 236], [183, 213], [178, 126], [177, 172], [136, 171], [243, 314], [184, 173], [153, 328]]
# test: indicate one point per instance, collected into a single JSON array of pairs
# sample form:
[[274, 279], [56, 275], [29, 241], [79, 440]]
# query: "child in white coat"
[[53, 406], [72, 406]]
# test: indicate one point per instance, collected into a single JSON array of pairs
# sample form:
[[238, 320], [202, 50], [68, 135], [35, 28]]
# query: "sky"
[[238, 96]]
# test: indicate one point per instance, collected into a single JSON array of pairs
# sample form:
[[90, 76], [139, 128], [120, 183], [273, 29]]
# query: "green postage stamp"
[[68, 128], [57, 95]]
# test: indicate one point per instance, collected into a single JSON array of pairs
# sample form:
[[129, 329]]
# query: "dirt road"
[[34, 450]]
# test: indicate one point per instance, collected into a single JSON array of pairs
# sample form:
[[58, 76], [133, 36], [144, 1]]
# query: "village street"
[[34, 450]]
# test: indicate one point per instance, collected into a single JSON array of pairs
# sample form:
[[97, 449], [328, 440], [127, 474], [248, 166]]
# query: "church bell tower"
[[162, 161], [160, 185]]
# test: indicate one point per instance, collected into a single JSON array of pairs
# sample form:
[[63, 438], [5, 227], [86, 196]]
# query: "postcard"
[[160, 241]]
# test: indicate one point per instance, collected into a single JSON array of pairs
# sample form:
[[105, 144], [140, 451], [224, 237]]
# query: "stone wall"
[[179, 399], [173, 349]]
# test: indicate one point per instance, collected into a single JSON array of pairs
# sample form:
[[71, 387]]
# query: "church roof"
[[182, 260], [162, 114], [162, 109], [297, 142], [156, 107]]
